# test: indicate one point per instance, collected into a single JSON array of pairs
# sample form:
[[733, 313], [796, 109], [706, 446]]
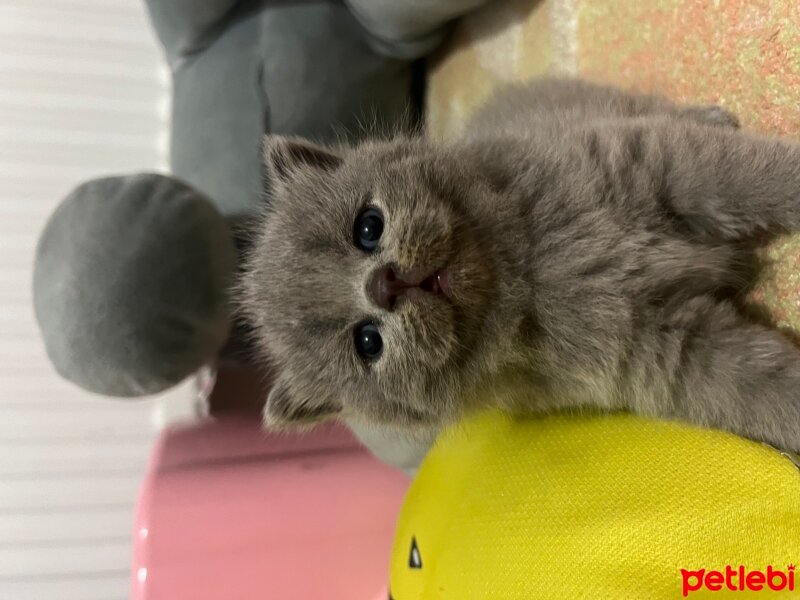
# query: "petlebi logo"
[[739, 579]]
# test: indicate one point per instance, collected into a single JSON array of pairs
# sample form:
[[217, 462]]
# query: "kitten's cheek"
[[435, 336], [419, 337], [443, 349], [470, 278]]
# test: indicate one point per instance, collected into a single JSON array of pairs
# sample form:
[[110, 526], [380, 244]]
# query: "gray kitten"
[[578, 247]]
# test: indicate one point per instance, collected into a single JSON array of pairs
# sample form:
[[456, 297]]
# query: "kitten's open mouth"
[[438, 284], [391, 289]]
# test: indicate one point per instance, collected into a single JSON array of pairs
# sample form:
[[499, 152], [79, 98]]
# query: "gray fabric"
[[321, 80], [302, 68], [217, 121], [130, 284], [187, 26], [409, 28]]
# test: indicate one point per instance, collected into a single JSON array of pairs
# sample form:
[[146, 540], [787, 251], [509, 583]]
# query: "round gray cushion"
[[131, 284]]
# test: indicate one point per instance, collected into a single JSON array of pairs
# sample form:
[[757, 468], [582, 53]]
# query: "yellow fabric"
[[592, 507]]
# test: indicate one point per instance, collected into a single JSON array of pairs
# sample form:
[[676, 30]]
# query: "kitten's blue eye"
[[369, 344], [368, 229]]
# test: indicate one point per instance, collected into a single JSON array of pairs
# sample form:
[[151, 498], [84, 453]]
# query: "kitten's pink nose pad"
[[386, 287]]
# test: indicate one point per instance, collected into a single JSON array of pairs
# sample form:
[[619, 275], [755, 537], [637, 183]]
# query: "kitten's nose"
[[387, 285]]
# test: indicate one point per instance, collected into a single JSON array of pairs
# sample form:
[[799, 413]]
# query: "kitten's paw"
[[712, 115]]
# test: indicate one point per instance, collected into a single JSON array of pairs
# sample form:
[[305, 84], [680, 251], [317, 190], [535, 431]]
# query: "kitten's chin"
[[398, 415], [413, 417]]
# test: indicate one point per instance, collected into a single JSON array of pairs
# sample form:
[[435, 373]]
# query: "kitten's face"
[[368, 283]]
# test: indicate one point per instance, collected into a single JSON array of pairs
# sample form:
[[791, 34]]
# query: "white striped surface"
[[83, 93]]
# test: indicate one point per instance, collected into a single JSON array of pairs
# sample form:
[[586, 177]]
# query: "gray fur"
[[596, 242]]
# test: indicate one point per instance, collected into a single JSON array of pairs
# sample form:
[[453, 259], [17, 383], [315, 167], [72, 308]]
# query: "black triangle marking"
[[414, 557]]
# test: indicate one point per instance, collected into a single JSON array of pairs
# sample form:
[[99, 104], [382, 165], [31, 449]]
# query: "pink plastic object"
[[229, 512]]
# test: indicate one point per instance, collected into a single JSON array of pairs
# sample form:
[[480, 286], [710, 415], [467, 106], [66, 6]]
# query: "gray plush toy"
[[130, 284]]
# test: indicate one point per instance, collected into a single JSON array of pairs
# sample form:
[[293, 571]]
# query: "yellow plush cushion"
[[598, 506]]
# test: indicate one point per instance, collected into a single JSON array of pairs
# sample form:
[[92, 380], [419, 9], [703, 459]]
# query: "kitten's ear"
[[285, 409], [288, 156]]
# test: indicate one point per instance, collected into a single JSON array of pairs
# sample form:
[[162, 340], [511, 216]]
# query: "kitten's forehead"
[[314, 274], [309, 265]]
